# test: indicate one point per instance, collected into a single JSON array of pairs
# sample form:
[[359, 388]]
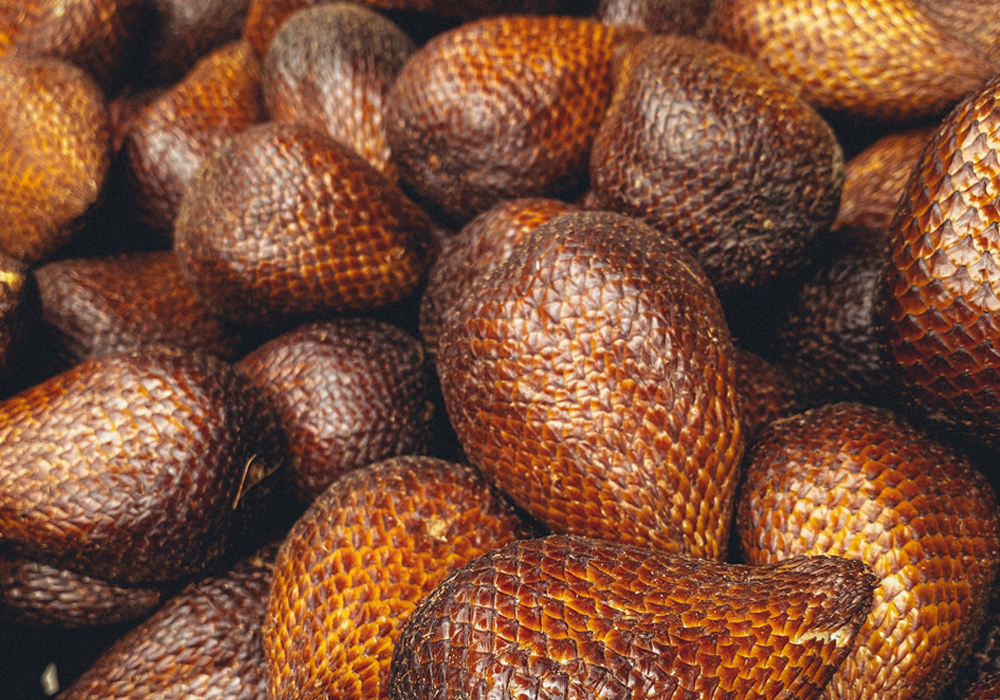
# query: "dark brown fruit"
[[173, 135], [19, 311], [986, 689], [347, 393], [501, 108], [855, 481], [939, 294], [482, 245], [567, 617], [186, 30], [38, 594], [330, 67], [130, 467], [55, 135], [591, 376], [203, 643], [887, 61], [100, 306], [284, 223], [96, 35], [766, 392], [656, 16], [702, 144], [360, 559]]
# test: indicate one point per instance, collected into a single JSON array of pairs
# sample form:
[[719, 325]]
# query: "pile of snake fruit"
[[524, 350]]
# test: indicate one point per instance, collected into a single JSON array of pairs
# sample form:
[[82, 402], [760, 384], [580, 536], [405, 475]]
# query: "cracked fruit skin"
[[591, 376]]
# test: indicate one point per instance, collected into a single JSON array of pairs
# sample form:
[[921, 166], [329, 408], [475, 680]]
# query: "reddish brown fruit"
[[284, 223], [38, 594], [939, 293], [501, 108], [131, 467], [55, 135], [887, 61], [330, 67], [591, 376], [766, 392], [854, 481], [203, 643], [482, 245], [173, 135], [347, 393], [360, 559], [656, 16], [702, 144], [100, 306], [986, 689], [570, 617], [19, 311]]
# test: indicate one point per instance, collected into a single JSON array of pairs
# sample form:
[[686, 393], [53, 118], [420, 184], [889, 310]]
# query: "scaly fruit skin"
[[591, 377], [888, 61], [284, 223], [656, 16], [703, 144], [568, 617], [939, 295], [501, 108], [766, 392], [854, 481], [130, 467], [360, 559]]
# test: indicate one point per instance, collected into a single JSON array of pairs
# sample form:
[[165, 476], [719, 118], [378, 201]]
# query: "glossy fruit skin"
[[886, 61], [501, 108], [285, 223], [347, 393], [568, 617], [706, 146], [359, 560], [331, 67], [54, 127], [856, 481], [131, 467], [591, 377], [938, 300]]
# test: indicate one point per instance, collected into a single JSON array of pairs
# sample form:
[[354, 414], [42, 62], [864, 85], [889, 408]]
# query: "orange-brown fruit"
[[285, 222], [501, 108], [766, 392], [347, 393], [975, 22], [591, 376], [481, 245], [101, 306], [19, 312], [186, 30], [888, 61], [173, 135], [330, 67], [55, 135], [854, 481], [569, 617], [875, 179], [706, 146], [131, 467], [205, 642], [38, 594], [96, 35], [939, 294], [360, 559], [656, 16]]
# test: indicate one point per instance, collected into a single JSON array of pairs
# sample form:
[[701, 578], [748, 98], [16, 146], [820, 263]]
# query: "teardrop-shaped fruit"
[[171, 136], [360, 559], [284, 222], [887, 61], [591, 376], [55, 135], [130, 468], [501, 108], [571, 617], [939, 294], [347, 393], [854, 481], [706, 146], [330, 67]]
